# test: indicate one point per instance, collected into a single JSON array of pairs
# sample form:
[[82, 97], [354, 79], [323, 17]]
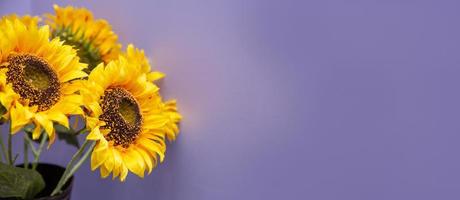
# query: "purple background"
[[320, 99]]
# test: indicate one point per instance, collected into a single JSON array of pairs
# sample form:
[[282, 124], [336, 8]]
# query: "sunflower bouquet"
[[63, 75]]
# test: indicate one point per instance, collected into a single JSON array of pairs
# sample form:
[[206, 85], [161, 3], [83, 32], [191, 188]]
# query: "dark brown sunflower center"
[[34, 80], [122, 116]]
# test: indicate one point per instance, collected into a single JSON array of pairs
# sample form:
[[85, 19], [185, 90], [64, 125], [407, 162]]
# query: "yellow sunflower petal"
[[118, 161], [26, 19], [52, 139], [72, 87], [134, 162], [147, 159], [95, 134], [60, 118], [123, 173], [102, 145], [154, 76], [46, 123], [37, 132], [73, 75], [110, 162], [104, 172], [152, 147], [98, 158], [20, 116]]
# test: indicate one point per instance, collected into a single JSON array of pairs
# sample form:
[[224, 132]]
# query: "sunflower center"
[[34, 80], [37, 77], [122, 116], [128, 110]]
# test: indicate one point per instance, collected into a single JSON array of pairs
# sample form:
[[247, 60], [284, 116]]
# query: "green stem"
[[26, 152], [82, 130], [5, 157], [10, 149], [40, 148], [31, 144], [15, 158], [71, 168]]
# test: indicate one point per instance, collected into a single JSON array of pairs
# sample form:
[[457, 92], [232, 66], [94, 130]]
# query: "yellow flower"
[[26, 19], [36, 78], [93, 38], [127, 118], [138, 58]]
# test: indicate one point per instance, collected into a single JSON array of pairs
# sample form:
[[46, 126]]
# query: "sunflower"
[[138, 58], [127, 118], [36, 78], [93, 38], [26, 19]]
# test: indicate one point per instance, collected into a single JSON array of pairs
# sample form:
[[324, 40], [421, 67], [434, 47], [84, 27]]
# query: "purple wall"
[[320, 99]]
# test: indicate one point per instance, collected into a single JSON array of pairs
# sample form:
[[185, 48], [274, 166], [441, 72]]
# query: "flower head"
[[37, 78], [93, 38], [127, 118]]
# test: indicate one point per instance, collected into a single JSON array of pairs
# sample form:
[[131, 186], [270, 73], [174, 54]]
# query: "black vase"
[[51, 174]]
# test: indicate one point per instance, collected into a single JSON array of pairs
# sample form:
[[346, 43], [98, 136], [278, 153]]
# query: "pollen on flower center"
[[122, 116], [37, 77], [34, 80]]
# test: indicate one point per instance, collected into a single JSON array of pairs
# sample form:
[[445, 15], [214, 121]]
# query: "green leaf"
[[19, 182], [68, 135]]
